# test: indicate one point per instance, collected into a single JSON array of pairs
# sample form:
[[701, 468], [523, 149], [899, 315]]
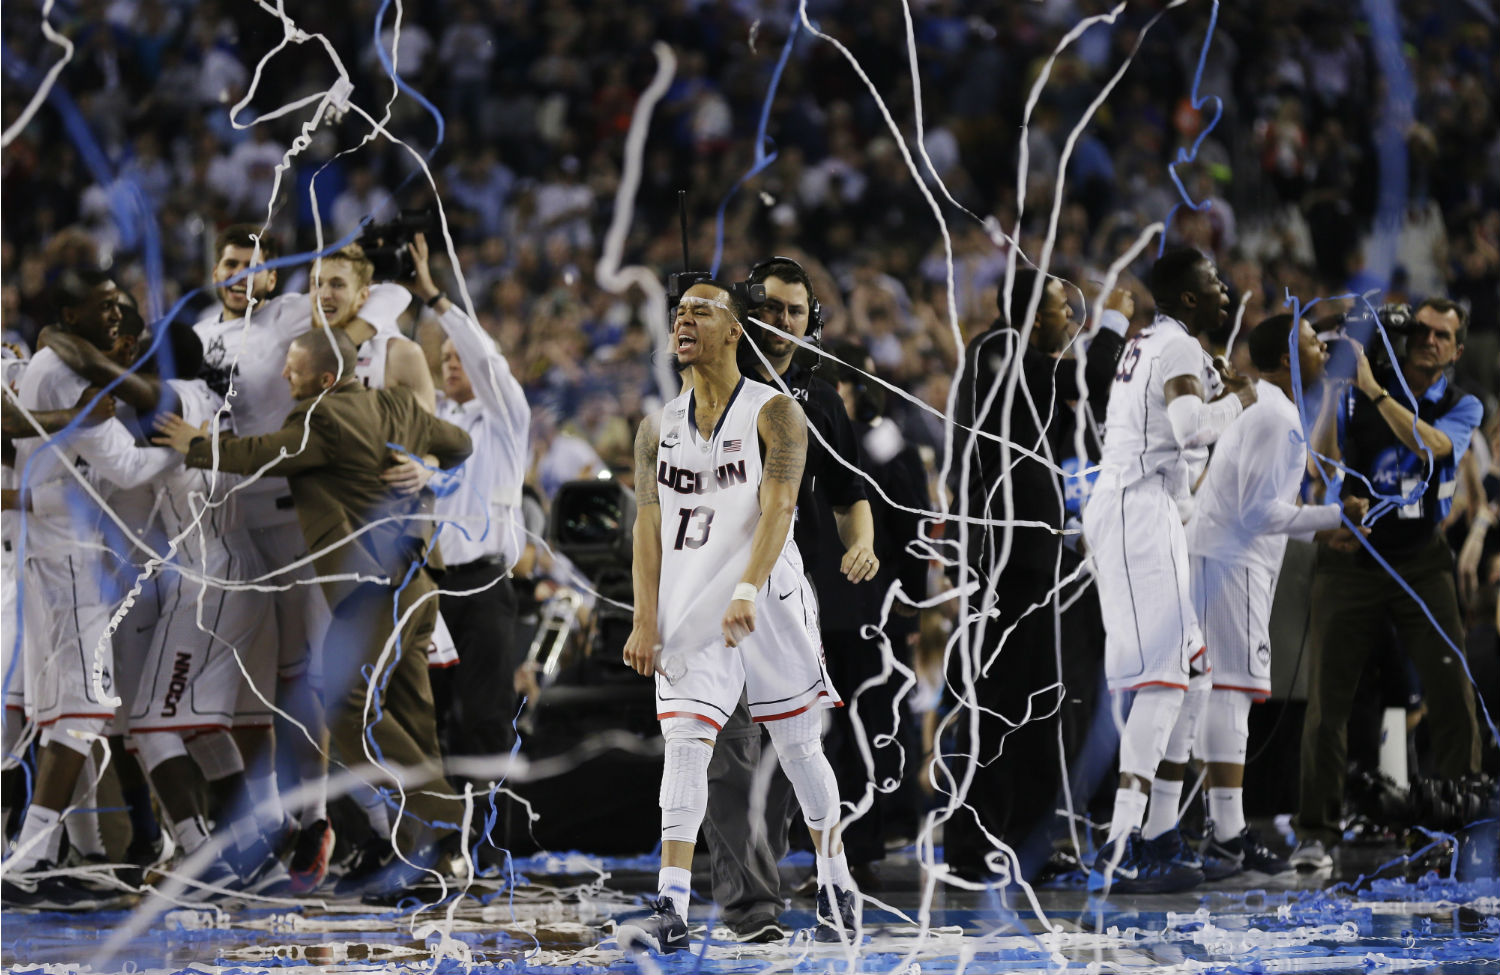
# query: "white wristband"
[[745, 591]]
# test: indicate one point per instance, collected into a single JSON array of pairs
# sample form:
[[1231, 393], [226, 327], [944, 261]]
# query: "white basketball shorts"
[[64, 645], [1233, 603], [1139, 552], [208, 638], [779, 667], [302, 615]]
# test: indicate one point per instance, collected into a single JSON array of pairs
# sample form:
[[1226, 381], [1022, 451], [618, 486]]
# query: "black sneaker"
[[836, 927], [1060, 864], [758, 929], [662, 931], [1139, 870], [1173, 847], [140, 856], [369, 859], [1245, 852], [1310, 856], [36, 891]]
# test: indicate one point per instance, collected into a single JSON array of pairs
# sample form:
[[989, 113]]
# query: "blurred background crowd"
[[536, 99]]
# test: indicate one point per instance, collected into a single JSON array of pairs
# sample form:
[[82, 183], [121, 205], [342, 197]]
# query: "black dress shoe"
[[1059, 863]]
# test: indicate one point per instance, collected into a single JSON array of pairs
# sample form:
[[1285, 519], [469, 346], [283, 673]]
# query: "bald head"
[[318, 359], [329, 351]]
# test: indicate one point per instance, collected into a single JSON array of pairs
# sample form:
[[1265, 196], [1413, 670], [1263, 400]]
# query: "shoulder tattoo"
[[783, 428], [647, 444]]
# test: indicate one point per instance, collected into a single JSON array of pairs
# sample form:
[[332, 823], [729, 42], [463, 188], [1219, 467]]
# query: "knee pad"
[[1189, 717], [216, 754], [78, 734], [1153, 714], [799, 748], [684, 787], [1226, 728], [155, 747]]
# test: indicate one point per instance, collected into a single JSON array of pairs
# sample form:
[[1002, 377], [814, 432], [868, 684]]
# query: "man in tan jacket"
[[368, 544]]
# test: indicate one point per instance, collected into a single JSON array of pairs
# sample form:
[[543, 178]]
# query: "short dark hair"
[[782, 269], [246, 235], [131, 322], [180, 354], [332, 350], [75, 287], [1269, 342], [1443, 306], [736, 303], [1172, 274], [1026, 281]]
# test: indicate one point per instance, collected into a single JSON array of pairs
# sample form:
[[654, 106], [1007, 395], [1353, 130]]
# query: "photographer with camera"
[[1403, 454]]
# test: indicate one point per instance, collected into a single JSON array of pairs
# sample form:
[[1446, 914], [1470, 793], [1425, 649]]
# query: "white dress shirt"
[[482, 515]]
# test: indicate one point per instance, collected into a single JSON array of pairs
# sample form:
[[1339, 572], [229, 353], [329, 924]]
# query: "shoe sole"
[[770, 934], [1130, 885]]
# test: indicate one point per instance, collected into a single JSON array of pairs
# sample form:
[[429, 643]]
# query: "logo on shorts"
[[1263, 653], [178, 684]]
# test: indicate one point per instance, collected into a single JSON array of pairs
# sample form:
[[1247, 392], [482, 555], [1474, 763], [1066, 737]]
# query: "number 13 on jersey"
[[699, 520]]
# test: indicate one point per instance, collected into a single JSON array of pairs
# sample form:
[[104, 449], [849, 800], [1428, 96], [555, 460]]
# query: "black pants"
[[482, 697], [870, 711], [1016, 757], [744, 852], [1352, 599]]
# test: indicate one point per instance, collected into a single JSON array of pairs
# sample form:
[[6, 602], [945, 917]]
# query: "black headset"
[[750, 295]]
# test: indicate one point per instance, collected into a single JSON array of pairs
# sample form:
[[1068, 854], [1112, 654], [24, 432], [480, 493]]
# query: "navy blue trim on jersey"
[[692, 412]]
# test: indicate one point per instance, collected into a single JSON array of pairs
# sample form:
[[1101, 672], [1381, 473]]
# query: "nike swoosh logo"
[[784, 595], [669, 444]]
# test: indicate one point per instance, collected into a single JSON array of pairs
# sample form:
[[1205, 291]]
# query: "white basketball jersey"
[[369, 367], [185, 491], [1138, 438], [710, 504]]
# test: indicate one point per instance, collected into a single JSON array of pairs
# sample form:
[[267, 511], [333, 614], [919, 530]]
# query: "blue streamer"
[[763, 158], [1185, 156]]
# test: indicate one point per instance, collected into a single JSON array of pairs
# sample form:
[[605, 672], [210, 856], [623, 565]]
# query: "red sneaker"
[[310, 858]]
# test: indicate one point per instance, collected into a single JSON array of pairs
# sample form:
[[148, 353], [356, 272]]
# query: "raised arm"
[[783, 433], [488, 372], [644, 642]]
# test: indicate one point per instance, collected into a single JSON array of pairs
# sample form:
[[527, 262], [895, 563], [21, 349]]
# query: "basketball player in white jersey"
[[244, 349], [1245, 509], [1168, 399], [722, 606], [70, 655]]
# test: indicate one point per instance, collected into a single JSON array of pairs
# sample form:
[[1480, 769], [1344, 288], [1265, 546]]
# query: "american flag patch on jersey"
[[730, 446]]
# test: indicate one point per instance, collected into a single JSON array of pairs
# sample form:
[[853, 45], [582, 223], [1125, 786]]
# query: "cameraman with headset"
[[832, 508], [1395, 447]]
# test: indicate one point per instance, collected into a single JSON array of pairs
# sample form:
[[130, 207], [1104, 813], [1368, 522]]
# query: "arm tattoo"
[[784, 430], [647, 444]]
